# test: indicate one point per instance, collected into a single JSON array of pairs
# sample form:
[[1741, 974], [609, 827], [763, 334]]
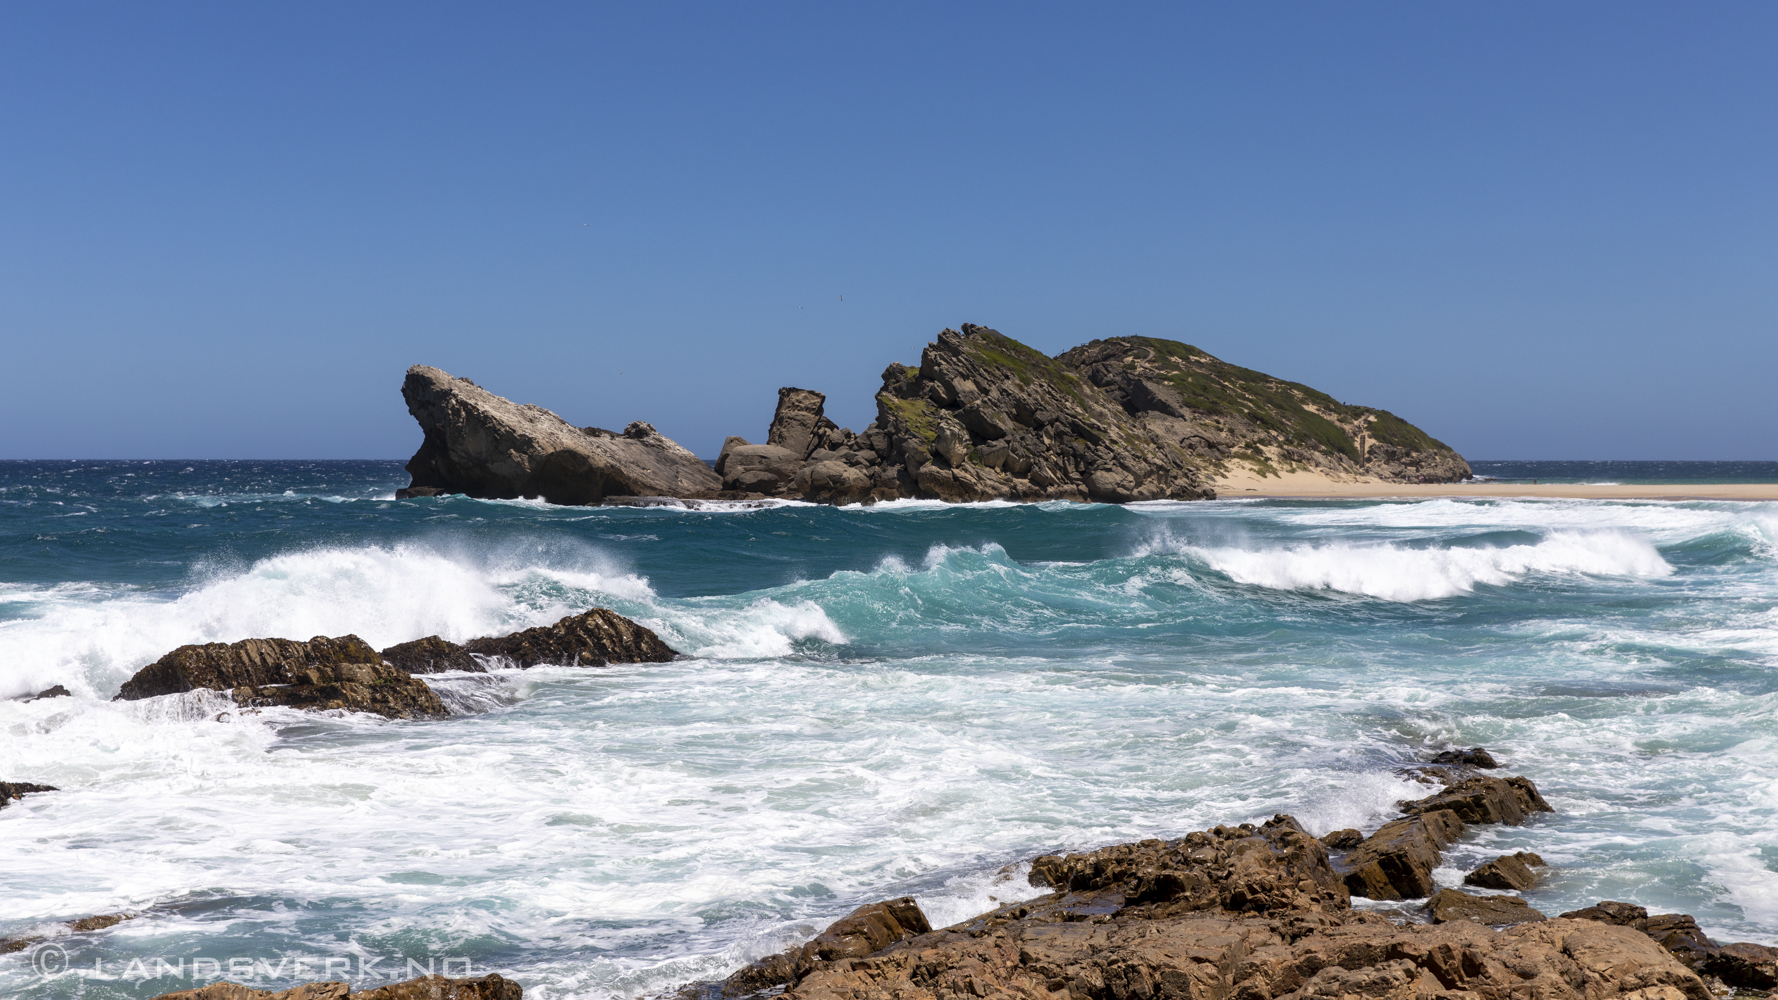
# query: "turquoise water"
[[876, 701]]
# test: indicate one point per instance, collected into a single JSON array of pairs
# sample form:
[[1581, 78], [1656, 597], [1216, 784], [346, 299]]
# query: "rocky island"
[[982, 417]]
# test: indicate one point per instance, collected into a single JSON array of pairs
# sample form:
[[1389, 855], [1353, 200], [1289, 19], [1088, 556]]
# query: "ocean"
[[907, 699]]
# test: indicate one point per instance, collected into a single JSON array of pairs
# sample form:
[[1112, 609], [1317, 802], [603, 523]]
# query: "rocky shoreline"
[[1249, 912], [983, 417]]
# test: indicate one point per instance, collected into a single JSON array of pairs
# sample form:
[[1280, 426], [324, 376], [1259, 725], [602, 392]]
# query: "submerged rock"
[[592, 638], [1473, 757], [488, 446], [489, 987], [323, 673], [85, 925]]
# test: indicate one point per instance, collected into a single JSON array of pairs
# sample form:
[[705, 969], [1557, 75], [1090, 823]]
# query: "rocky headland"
[[982, 417]]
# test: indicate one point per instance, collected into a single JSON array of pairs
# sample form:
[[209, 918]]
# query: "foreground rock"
[[323, 673], [487, 446], [982, 417], [1741, 965], [1244, 913], [490, 987]]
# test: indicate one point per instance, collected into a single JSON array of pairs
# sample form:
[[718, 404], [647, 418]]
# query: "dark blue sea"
[[899, 699]]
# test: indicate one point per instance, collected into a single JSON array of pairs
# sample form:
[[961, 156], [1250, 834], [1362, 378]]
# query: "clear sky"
[[1536, 230]]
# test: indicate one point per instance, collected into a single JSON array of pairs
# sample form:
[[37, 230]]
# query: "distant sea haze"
[[1627, 473], [902, 699]]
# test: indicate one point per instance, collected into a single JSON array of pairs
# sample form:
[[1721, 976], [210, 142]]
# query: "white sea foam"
[[1404, 573]]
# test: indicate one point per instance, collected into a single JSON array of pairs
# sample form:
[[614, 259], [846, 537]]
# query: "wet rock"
[[431, 655], [13, 790], [593, 638], [1509, 871], [1397, 861], [489, 987], [1343, 840], [1485, 800], [415, 492], [1451, 904], [1611, 912], [488, 446], [85, 925], [57, 691], [1473, 757], [323, 673]]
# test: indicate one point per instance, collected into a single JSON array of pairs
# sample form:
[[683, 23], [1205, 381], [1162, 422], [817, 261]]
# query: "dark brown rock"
[[487, 446], [489, 987], [1495, 911], [1473, 757], [354, 687], [11, 790], [1343, 840], [1397, 861], [224, 666], [1611, 912], [1509, 871], [1745, 966], [591, 639], [415, 492], [1485, 800], [57, 691], [85, 925], [323, 673], [431, 655], [1680, 934]]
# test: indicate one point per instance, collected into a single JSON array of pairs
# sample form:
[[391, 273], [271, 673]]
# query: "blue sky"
[[1535, 230]]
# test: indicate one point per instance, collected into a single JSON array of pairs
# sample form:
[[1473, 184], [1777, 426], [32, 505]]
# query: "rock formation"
[[345, 673], [982, 417], [11, 791], [1509, 871], [489, 987], [323, 673], [1244, 913], [486, 446], [1740, 965], [593, 638]]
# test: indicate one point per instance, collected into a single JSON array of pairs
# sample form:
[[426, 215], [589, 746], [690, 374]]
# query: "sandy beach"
[[1306, 485]]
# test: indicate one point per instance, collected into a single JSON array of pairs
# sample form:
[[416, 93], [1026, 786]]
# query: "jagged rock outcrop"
[[1239, 913], [489, 987], [431, 655], [592, 638], [323, 673], [488, 446], [982, 417]]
